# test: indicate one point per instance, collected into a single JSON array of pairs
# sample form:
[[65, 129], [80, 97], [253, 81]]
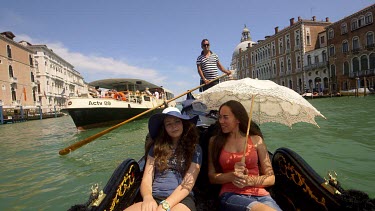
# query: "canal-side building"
[[56, 78], [34, 80], [351, 50], [18, 87], [316, 67], [282, 57]]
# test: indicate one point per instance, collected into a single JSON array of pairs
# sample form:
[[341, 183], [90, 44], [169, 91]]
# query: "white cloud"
[[92, 64], [94, 67]]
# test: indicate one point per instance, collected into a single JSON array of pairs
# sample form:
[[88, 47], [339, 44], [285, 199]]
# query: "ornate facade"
[[282, 56], [351, 50], [34, 79]]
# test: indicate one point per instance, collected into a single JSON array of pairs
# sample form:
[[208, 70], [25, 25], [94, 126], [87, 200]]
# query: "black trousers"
[[205, 87]]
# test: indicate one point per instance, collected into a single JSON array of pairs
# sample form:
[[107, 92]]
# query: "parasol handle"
[[85, 141], [248, 129]]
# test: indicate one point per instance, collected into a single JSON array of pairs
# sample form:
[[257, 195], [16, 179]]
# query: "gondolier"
[[208, 64]]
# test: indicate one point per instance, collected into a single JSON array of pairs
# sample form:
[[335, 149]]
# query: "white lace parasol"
[[272, 102]]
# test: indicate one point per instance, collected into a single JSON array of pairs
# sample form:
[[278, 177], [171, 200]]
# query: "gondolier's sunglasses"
[[206, 45]]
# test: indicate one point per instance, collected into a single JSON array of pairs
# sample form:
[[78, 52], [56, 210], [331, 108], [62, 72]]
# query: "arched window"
[[11, 75], [34, 95], [308, 39], [355, 43], [274, 68], [281, 50], [309, 60], [370, 39], [325, 82], [368, 18], [355, 64], [345, 46], [333, 70], [331, 50], [297, 40], [361, 21], [354, 23], [331, 34], [31, 60], [9, 51], [289, 65], [344, 28], [32, 77], [364, 62], [14, 95], [346, 68], [372, 61], [299, 62], [324, 56]]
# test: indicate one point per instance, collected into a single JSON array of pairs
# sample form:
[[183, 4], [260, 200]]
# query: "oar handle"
[[85, 141], [248, 130]]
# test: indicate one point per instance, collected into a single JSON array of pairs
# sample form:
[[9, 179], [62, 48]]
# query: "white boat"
[[116, 100], [354, 92]]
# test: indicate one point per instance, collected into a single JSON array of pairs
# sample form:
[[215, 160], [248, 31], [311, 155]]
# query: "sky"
[[157, 41]]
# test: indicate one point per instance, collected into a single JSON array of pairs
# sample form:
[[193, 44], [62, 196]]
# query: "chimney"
[[314, 18], [299, 18], [291, 21], [327, 19], [276, 29]]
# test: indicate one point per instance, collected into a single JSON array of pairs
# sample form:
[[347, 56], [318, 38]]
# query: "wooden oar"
[[248, 130], [85, 141]]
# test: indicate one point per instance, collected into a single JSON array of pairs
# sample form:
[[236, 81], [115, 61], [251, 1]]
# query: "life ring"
[[120, 96]]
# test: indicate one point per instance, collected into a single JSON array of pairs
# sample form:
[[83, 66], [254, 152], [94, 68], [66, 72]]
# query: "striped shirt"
[[209, 65]]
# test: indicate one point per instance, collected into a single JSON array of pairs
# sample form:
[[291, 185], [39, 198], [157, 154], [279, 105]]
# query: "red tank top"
[[227, 161]]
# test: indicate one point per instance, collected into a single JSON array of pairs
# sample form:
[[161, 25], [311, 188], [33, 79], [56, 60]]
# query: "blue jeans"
[[238, 202]]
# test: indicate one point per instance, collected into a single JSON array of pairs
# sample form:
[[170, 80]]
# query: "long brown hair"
[[185, 147], [221, 138]]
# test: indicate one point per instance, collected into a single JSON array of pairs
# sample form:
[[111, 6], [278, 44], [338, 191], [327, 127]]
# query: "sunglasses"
[[205, 44]]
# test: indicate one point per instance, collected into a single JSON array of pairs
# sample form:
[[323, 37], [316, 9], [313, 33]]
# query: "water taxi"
[[112, 101]]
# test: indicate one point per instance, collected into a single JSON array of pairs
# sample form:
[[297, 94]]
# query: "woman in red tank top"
[[243, 184]]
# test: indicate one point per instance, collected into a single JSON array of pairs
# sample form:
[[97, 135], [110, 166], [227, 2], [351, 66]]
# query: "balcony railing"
[[362, 73], [370, 46], [16, 102], [316, 66], [13, 80], [356, 50]]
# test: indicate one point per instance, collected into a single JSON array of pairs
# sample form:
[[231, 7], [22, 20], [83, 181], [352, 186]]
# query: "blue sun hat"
[[157, 120]]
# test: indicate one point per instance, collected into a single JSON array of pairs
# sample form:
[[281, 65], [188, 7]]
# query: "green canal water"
[[35, 177]]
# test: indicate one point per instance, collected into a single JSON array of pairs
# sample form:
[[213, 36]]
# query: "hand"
[[149, 205], [240, 167], [206, 81], [228, 72], [239, 180]]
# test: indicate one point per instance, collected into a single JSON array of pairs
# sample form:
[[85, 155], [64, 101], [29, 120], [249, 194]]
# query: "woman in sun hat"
[[173, 163]]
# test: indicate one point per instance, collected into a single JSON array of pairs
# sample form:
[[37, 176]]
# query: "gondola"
[[297, 186]]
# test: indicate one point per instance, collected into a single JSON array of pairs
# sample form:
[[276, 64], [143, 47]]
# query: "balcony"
[[37, 103], [356, 50], [370, 46], [16, 103], [13, 80], [362, 73], [315, 66], [33, 84]]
